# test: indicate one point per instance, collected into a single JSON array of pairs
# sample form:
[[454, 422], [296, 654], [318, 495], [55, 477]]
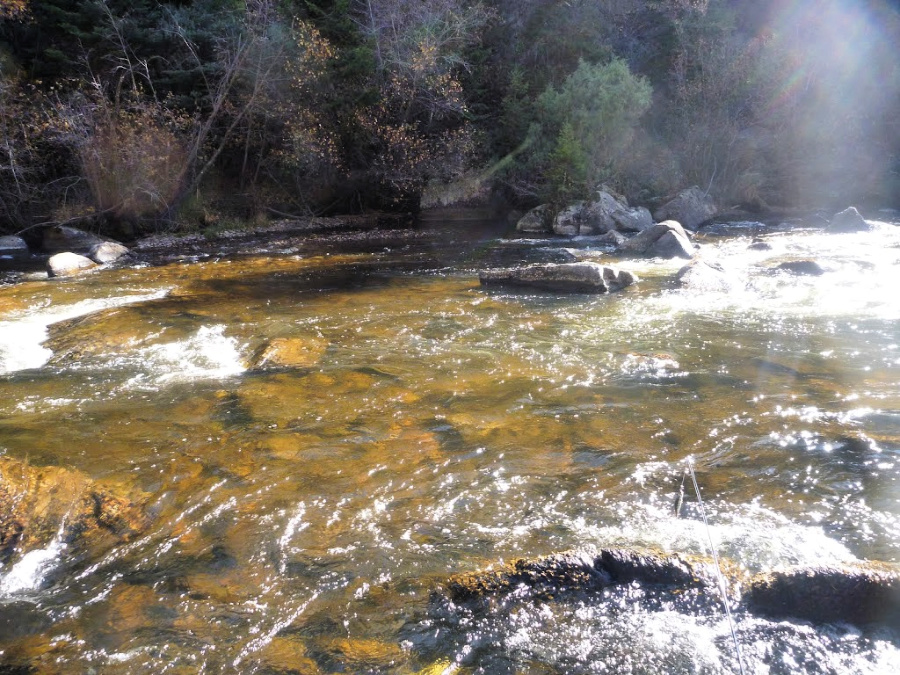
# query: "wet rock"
[[289, 655], [107, 252], [809, 268], [858, 594], [699, 275], [606, 213], [614, 238], [537, 221], [579, 277], [59, 238], [580, 571], [691, 208], [760, 245], [13, 246], [68, 264], [289, 353], [665, 240], [568, 222], [848, 220], [39, 503]]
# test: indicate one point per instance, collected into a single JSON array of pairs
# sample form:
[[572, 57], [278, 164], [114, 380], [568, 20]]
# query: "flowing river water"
[[300, 519]]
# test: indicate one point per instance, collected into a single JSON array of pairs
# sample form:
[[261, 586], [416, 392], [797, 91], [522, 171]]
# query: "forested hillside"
[[147, 115]]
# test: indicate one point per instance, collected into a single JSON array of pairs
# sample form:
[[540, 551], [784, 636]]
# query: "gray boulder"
[[690, 208], [663, 240], [848, 220], [14, 246], [59, 238], [699, 275], [107, 252], [568, 222], [68, 264], [609, 213], [536, 221], [577, 277]]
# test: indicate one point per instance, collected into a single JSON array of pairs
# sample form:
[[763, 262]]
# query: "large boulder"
[[808, 268], [690, 207], [663, 240], [577, 277], [107, 252], [608, 213], [537, 221], [860, 594], [848, 220], [59, 238], [43, 504], [13, 246], [68, 264], [568, 222]]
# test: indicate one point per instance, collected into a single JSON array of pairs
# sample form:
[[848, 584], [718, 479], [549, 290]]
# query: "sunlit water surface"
[[302, 518]]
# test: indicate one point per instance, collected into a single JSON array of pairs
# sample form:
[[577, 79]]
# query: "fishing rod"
[[712, 547]]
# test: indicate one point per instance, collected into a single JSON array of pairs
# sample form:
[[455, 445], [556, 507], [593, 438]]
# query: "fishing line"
[[721, 578]]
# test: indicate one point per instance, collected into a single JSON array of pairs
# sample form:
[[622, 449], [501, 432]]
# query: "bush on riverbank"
[[153, 112]]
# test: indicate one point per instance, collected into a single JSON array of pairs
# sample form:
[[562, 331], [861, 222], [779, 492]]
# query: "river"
[[300, 519]]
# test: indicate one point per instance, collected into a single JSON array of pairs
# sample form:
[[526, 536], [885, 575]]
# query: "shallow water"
[[301, 518]]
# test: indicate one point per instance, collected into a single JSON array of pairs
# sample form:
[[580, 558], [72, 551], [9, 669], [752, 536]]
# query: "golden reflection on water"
[[301, 510]]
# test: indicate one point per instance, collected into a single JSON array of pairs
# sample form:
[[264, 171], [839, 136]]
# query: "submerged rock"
[[68, 264], [289, 353], [578, 277], [859, 594], [691, 208], [848, 220], [536, 221], [580, 571], [663, 240], [40, 504]]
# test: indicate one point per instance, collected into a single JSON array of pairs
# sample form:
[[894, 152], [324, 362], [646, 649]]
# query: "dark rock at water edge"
[[809, 268], [68, 264], [691, 208], [858, 594], [578, 277], [580, 571], [848, 220], [59, 238], [606, 213], [13, 246], [537, 221], [663, 240]]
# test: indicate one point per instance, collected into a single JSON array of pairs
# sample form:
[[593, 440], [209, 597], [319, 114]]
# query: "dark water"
[[299, 519]]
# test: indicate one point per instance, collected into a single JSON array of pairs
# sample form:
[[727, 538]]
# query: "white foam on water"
[[22, 337], [28, 573], [208, 354]]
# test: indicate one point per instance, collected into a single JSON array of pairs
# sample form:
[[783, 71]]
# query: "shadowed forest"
[[144, 116]]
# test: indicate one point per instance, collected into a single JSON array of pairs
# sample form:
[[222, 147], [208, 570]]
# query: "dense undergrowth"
[[144, 115]]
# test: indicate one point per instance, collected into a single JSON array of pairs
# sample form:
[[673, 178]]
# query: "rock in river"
[[536, 221], [579, 277], [59, 238], [691, 208], [663, 240], [293, 352], [860, 594], [13, 246], [848, 220], [68, 264], [40, 503], [107, 252]]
